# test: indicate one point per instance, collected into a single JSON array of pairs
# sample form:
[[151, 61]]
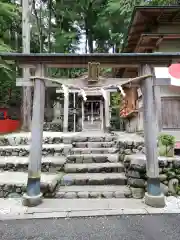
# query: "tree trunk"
[[49, 25], [38, 23], [90, 42], [27, 94], [49, 107], [88, 28]]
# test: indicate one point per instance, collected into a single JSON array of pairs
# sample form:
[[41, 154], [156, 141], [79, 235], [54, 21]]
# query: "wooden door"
[[171, 113]]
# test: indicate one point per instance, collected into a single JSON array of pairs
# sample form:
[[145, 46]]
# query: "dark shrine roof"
[[144, 19]]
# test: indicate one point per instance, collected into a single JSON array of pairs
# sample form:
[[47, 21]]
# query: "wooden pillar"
[[66, 111], [33, 196], [74, 112], [107, 113], [82, 104], [48, 105], [27, 91], [92, 113], [158, 110], [153, 197], [102, 115]]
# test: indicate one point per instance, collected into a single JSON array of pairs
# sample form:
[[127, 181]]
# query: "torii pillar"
[[33, 195], [153, 196]]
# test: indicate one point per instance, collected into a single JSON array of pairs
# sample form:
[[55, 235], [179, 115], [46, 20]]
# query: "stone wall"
[[23, 151], [25, 140], [53, 127], [169, 170], [130, 147], [12, 191], [14, 164]]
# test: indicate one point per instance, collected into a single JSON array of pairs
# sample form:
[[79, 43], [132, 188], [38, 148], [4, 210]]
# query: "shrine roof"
[[81, 60], [144, 19]]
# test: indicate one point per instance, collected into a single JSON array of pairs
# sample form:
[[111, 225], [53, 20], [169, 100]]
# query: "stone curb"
[[85, 213]]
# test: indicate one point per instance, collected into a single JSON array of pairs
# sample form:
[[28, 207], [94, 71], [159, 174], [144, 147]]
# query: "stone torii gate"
[[144, 62]]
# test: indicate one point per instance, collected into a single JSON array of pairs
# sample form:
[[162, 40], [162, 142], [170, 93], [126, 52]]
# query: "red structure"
[[7, 123]]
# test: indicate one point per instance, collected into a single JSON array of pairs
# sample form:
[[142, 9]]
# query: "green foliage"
[[166, 140], [9, 24], [116, 99], [171, 174], [166, 145]]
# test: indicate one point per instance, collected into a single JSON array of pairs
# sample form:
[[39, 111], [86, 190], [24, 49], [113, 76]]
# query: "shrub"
[[166, 140]]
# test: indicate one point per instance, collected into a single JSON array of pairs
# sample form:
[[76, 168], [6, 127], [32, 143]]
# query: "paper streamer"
[[65, 90], [104, 93], [121, 90], [83, 95]]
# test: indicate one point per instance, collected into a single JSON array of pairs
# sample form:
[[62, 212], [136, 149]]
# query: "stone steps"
[[94, 179], [49, 164], [92, 158], [93, 191], [77, 165], [93, 150], [24, 138], [93, 167], [15, 182], [47, 150], [94, 144], [93, 137]]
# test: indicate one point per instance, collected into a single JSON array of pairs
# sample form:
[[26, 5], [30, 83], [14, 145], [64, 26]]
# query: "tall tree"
[[9, 24]]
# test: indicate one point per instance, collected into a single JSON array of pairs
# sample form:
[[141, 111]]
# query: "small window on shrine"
[[12, 114], [2, 115]]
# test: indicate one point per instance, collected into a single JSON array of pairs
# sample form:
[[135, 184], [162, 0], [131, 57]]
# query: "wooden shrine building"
[[152, 30]]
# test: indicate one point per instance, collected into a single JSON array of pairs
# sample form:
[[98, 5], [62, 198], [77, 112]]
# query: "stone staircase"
[[93, 170], [14, 153], [74, 165]]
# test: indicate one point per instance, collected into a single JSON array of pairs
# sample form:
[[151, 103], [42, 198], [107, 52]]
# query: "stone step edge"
[[53, 136], [44, 146], [94, 139], [93, 149], [94, 179], [93, 191], [48, 164], [95, 174], [86, 144], [93, 158], [94, 165], [88, 167], [92, 155], [53, 160], [47, 150]]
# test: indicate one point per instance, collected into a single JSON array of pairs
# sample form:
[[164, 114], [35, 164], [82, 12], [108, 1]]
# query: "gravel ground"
[[134, 227]]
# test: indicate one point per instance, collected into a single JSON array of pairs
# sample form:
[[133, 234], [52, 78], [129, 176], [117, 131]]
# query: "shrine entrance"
[[93, 115], [146, 82]]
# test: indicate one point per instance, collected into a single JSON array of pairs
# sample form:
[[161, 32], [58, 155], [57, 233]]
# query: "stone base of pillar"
[[31, 201], [107, 129], [65, 129], [155, 201], [56, 121]]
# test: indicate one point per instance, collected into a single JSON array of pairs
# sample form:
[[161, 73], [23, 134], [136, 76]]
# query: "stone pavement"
[[123, 227], [67, 208]]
